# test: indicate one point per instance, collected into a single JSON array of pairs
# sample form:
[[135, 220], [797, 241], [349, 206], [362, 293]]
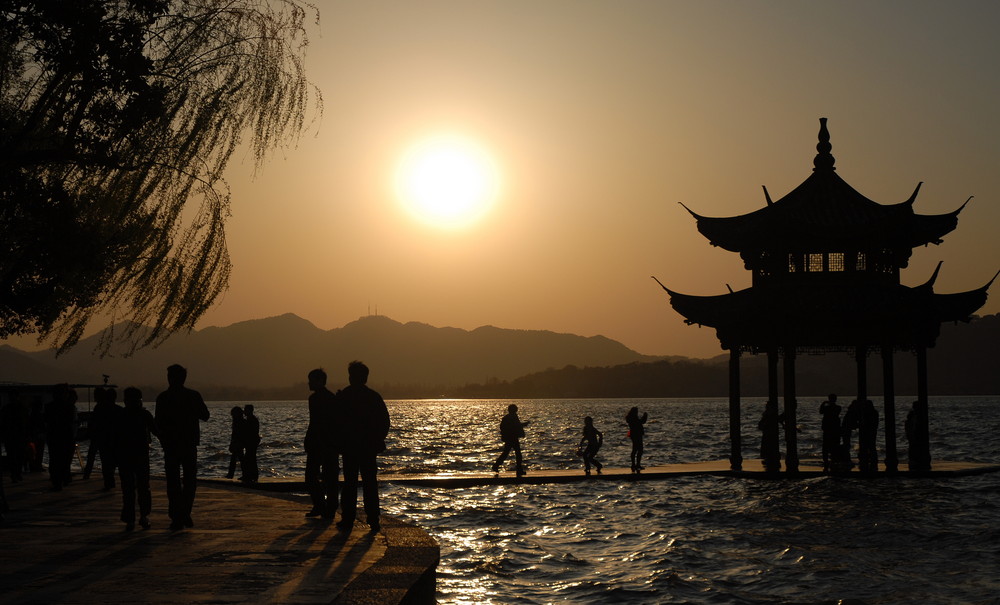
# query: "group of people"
[[26, 429], [838, 434], [348, 426], [120, 437], [22, 435], [512, 431], [351, 424], [861, 416], [243, 444]]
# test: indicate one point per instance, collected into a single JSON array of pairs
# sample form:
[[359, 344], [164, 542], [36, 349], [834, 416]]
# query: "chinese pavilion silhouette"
[[826, 262]]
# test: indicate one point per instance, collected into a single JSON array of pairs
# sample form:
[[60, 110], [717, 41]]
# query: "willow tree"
[[117, 121]]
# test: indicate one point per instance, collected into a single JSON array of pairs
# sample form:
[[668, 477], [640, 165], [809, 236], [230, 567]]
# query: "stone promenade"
[[246, 546]]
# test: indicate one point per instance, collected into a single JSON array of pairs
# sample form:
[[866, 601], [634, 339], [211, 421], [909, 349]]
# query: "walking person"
[[236, 447], [366, 425], [178, 413], [132, 435], [636, 432], [511, 432], [591, 442], [251, 441], [100, 426], [323, 446]]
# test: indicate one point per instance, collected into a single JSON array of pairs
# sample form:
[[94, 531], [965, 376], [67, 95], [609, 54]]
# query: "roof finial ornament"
[[823, 160]]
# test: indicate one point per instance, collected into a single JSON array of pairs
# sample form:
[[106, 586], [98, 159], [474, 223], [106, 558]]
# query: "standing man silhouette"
[[636, 431], [132, 436], [251, 441], [323, 446], [830, 426], [60, 434], [178, 412], [365, 429]]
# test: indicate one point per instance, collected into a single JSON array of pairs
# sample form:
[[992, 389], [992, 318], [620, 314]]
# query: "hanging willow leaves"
[[117, 121]]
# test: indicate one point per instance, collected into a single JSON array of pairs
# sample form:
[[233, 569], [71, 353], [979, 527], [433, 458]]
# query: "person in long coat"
[[366, 425], [323, 445], [179, 411]]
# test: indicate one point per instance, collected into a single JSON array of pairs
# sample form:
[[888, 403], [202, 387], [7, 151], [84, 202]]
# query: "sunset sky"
[[598, 118]]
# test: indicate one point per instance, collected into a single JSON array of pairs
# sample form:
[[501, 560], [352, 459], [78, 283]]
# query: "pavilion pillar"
[[889, 401], [791, 437], [735, 438], [861, 358], [771, 458], [920, 448], [772, 375]]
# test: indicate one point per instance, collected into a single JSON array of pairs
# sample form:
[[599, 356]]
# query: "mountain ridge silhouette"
[[417, 360], [279, 351]]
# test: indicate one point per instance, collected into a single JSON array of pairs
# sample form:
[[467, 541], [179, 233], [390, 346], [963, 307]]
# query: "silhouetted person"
[[4, 506], [636, 432], [591, 441], [511, 431], [830, 412], [132, 435], [14, 434], [101, 427], [60, 434], [323, 446], [366, 425], [769, 425], [852, 420], [36, 433], [236, 447], [179, 411], [251, 441], [916, 437], [867, 437]]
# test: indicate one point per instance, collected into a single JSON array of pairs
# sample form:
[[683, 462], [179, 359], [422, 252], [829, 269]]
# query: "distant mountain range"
[[965, 361], [269, 358]]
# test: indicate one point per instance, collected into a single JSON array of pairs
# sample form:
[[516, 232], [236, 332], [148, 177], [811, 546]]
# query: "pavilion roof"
[[826, 213], [832, 317]]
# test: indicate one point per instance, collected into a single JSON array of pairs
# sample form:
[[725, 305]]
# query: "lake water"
[[686, 540]]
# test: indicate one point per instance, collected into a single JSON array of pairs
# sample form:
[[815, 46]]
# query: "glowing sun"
[[447, 181]]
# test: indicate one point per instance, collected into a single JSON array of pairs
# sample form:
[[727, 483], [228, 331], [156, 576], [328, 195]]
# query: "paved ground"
[[245, 547]]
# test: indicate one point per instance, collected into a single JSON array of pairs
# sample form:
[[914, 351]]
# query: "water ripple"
[[686, 540]]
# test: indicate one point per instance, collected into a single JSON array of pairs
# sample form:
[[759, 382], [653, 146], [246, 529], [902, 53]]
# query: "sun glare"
[[447, 181]]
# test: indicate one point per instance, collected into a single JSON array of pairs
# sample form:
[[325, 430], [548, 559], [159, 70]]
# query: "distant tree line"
[[965, 361]]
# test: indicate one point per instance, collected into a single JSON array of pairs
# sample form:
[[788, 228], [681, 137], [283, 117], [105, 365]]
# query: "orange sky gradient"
[[601, 117]]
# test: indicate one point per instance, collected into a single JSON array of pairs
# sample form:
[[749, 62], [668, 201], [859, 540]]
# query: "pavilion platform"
[[246, 547], [752, 469]]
